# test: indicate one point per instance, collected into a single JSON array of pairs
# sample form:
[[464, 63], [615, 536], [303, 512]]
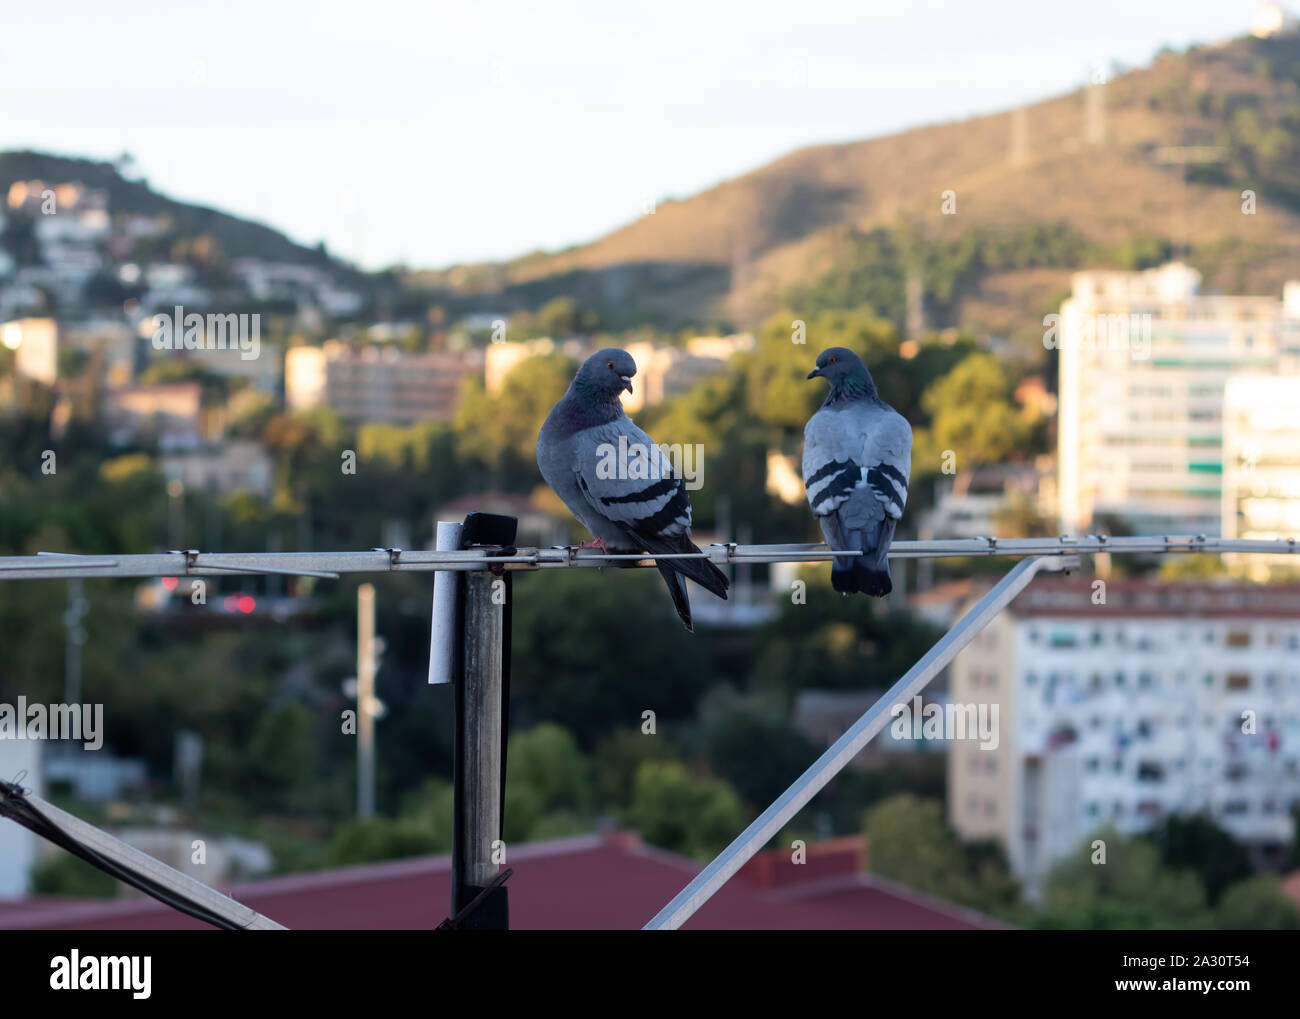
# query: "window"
[[1238, 638], [1238, 681], [1150, 771]]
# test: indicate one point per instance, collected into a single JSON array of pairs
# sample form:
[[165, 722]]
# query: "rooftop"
[[601, 882], [1052, 596]]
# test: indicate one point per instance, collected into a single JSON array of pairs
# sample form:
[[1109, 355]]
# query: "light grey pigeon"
[[857, 456], [615, 479]]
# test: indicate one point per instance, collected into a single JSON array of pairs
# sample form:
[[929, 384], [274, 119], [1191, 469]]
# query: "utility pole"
[[176, 512], [366, 704], [76, 639]]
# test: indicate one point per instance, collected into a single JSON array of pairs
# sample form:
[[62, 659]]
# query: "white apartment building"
[[1165, 699], [1144, 360]]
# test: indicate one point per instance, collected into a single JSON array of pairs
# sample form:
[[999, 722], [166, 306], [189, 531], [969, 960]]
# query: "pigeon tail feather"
[[677, 588], [702, 571], [859, 576]]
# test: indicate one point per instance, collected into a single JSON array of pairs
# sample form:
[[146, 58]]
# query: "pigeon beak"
[[627, 382], [815, 373]]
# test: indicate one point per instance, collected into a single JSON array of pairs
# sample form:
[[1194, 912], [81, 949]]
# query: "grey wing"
[[632, 482], [888, 460], [859, 460]]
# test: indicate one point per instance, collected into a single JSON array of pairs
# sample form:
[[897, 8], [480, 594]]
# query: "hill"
[[235, 237], [1151, 163]]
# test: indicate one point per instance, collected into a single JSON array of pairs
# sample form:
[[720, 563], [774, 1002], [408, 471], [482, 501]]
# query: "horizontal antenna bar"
[[332, 564]]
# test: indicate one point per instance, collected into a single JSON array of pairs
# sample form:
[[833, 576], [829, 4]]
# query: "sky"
[[432, 133]]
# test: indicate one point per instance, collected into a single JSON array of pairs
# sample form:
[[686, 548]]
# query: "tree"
[[751, 743], [673, 809], [593, 649], [908, 842], [1257, 904], [835, 643], [972, 415], [1129, 891], [546, 758], [1197, 843], [281, 754], [501, 428], [615, 764]]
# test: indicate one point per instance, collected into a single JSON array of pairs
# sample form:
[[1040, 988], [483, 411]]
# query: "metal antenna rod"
[[478, 750], [331, 564], [133, 860], [844, 749]]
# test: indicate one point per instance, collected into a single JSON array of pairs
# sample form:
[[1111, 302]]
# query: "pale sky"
[[434, 133]]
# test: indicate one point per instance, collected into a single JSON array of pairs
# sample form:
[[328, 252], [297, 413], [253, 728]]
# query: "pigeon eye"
[[609, 364], [831, 361]]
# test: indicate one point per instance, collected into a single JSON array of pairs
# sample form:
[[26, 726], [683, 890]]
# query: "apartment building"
[[1261, 466], [1123, 703], [1145, 358], [377, 383]]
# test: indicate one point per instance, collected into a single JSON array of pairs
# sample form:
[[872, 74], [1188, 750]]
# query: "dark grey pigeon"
[[641, 506], [857, 456]]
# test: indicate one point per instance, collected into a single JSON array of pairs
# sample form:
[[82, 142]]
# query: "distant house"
[[500, 359], [232, 466], [664, 372], [35, 343], [168, 413]]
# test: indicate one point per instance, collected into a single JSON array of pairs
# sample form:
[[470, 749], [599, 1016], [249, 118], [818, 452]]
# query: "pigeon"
[[857, 456], [615, 479]]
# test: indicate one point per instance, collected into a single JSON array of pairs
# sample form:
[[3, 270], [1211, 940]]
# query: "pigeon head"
[[846, 373], [605, 374]]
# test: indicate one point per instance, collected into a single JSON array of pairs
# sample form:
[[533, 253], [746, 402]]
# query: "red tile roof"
[[609, 882]]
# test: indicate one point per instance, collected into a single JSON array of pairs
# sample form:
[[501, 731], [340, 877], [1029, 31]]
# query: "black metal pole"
[[481, 732]]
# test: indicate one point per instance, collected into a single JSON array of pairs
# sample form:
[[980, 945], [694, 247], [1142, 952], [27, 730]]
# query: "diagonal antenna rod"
[[844, 749]]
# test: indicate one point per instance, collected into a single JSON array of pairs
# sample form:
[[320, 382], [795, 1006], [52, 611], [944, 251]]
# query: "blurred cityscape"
[[1101, 337]]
